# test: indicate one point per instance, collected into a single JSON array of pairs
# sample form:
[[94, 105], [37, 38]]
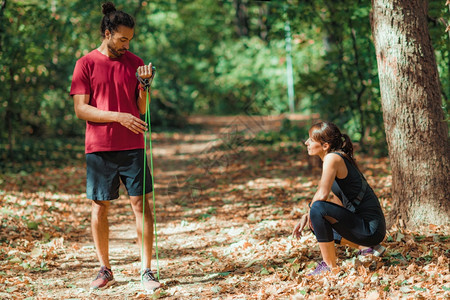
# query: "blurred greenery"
[[212, 57], [289, 133], [38, 154]]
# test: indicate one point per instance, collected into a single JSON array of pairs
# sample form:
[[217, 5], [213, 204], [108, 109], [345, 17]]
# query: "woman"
[[352, 215]]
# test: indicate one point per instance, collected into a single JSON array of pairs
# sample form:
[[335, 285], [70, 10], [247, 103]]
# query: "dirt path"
[[225, 208], [203, 222]]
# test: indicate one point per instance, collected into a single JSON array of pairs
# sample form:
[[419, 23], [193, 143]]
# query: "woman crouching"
[[352, 214]]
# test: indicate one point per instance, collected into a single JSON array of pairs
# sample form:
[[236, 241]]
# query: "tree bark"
[[241, 18], [2, 8], [416, 131], [9, 116], [263, 21]]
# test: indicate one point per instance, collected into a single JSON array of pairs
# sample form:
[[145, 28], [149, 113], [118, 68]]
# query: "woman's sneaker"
[[149, 281], [320, 269], [104, 279], [377, 250]]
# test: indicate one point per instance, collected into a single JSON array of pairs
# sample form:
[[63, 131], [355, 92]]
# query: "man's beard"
[[114, 51]]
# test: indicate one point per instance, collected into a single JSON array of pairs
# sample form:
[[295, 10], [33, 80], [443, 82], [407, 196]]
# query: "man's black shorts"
[[105, 168]]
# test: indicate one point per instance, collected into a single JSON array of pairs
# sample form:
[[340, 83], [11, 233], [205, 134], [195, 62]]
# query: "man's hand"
[[132, 123], [145, 72], [297, 232]]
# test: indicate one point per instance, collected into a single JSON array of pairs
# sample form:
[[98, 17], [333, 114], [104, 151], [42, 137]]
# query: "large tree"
[[416, 130]]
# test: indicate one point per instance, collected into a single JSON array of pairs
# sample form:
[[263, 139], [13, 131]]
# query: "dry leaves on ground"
[[225, 211]]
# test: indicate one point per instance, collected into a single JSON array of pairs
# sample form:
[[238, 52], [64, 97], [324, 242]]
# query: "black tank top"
[[349, 187]]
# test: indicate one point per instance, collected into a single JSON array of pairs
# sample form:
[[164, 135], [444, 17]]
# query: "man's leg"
[[132, 175], [145, 224], [100, 231], [144, 221]]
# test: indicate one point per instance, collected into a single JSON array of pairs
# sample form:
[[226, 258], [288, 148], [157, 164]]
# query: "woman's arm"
[[331, 164], [335, 199]]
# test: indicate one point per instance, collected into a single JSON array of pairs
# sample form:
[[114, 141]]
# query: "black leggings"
[[351, 226]]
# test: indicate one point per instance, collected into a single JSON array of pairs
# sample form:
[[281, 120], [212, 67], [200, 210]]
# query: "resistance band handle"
[[147, 82]]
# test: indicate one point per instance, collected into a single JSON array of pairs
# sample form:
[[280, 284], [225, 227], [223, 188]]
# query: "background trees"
[[212, 57]]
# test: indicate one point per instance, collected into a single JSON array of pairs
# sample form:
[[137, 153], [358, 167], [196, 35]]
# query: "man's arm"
[[145, 72], [142, 99], [87, 112]]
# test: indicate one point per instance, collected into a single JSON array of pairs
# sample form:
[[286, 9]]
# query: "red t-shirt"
[[112, 86]]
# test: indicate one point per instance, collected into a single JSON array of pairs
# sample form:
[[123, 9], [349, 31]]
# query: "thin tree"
[[416, 130]]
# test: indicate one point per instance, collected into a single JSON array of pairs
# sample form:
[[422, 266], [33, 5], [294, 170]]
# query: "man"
[[108, 96]]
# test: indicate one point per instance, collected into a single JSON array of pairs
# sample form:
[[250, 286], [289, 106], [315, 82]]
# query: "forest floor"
[[225, 209]]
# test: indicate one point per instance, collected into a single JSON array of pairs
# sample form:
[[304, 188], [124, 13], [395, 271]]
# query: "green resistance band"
[[147, 83]]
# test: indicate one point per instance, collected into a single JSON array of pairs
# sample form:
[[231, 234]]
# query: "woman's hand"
[[297, 232]]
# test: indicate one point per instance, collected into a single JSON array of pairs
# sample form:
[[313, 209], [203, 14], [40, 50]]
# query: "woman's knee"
[[318, 210]]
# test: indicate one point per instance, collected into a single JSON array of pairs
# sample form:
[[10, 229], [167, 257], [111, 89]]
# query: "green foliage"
[[37, 154], [440, 38], [37, 47], [179, 40], [211, 58], [344, 88], [289, 133], [250, 78]]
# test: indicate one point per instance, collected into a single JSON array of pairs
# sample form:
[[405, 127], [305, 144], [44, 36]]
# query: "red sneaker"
[[104, 279]]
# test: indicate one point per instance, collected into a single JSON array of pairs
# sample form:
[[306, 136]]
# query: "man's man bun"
[[108, 7], [113, 18]]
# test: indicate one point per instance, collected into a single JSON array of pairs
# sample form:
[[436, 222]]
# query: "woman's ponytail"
[[347, 146]]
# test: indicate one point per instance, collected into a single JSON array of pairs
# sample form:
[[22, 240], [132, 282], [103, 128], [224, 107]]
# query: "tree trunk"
[[263, 21], [416, 131], [2, 8], [241, 18], [9, 116]]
